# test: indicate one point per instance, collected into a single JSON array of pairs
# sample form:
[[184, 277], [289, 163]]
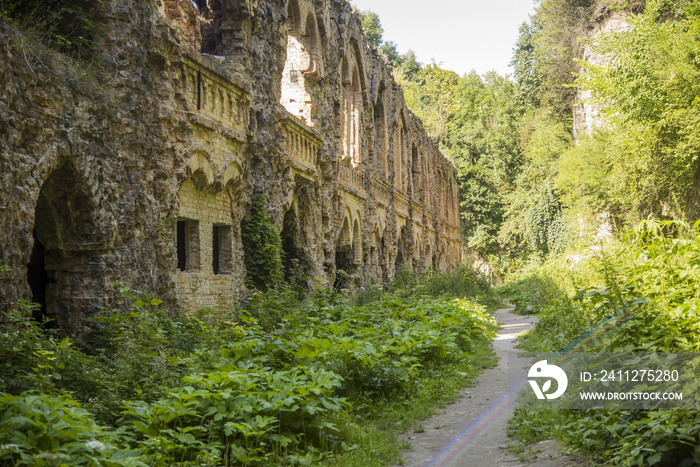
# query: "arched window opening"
[[417, 189], [443, 194], [345, 262], [417, 253], [357, 242], [399, 158], [356, 104], [380, 160], [345, 110], [303, 65], [376, 254], [429, 256], [400, 263], [351, 113]]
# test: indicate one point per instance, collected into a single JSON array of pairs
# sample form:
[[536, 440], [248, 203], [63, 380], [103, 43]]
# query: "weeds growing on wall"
[[641, 296], [281, 382], [70, 26]]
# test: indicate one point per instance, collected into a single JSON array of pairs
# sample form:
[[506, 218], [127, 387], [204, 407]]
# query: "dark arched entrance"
[[294, 258], [400, 252], [65, 271]]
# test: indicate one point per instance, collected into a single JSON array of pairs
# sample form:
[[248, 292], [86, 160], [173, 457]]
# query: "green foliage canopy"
[[648, 89]]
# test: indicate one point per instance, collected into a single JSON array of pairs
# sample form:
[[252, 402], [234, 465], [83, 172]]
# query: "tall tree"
[[372, 27]]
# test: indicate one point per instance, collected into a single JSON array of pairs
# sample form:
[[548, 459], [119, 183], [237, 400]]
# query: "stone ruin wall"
[[142, 169]]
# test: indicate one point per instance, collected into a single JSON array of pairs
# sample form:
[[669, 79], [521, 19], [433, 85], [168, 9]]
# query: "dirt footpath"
[[472, 431]]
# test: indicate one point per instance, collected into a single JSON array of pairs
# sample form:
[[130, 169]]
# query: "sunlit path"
[[473, 430]]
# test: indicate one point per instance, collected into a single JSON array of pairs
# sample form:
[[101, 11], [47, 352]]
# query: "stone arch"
[[312, 42], [351, 114], [418, 250], [399, 153], [198, 166], [304, 61], [417, 189], [454, 200], [442, 258], [231, 174], [401, 258], [429, 255], [381, 224], [295, 259], [345, 237], [357, 239], [66, 270], [323, 23], [345, 259], [380, 136], [294, 25], [376, 252], [356, 109], [358, 61]]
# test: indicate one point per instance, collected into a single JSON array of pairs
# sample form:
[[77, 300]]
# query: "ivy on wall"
[[546, 230], [262, 246]]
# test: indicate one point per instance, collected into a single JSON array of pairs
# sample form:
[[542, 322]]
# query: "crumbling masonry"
[[141, 170]]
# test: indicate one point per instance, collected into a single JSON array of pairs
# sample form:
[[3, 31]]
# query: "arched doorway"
[[294, 258], [65, 272], [345, 256], [400, 252]]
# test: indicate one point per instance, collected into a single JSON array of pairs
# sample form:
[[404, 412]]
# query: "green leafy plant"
[[263, 248], [279, 381], [644, 299], [42, 430], [69, 26]]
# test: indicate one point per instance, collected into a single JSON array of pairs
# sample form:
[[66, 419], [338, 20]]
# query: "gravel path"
[[472, 431]]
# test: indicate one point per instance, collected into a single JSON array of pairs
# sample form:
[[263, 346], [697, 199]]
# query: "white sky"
[[464, 35]]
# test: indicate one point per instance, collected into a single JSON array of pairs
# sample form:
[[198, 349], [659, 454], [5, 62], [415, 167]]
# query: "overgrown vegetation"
[[638, 292], [531, 193], [649, 94], [324, 381], [70, 26], [639, 295]]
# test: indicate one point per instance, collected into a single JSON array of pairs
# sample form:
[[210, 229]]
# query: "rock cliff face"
[[140, 167]]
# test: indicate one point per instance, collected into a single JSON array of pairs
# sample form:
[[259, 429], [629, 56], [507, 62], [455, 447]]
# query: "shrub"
[[42, 430], [71, 26], [645, 300], [232, 415], [256, 386]]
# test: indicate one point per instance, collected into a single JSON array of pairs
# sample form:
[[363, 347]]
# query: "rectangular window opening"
[[199, 90], [187, 240], [221, 250]]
